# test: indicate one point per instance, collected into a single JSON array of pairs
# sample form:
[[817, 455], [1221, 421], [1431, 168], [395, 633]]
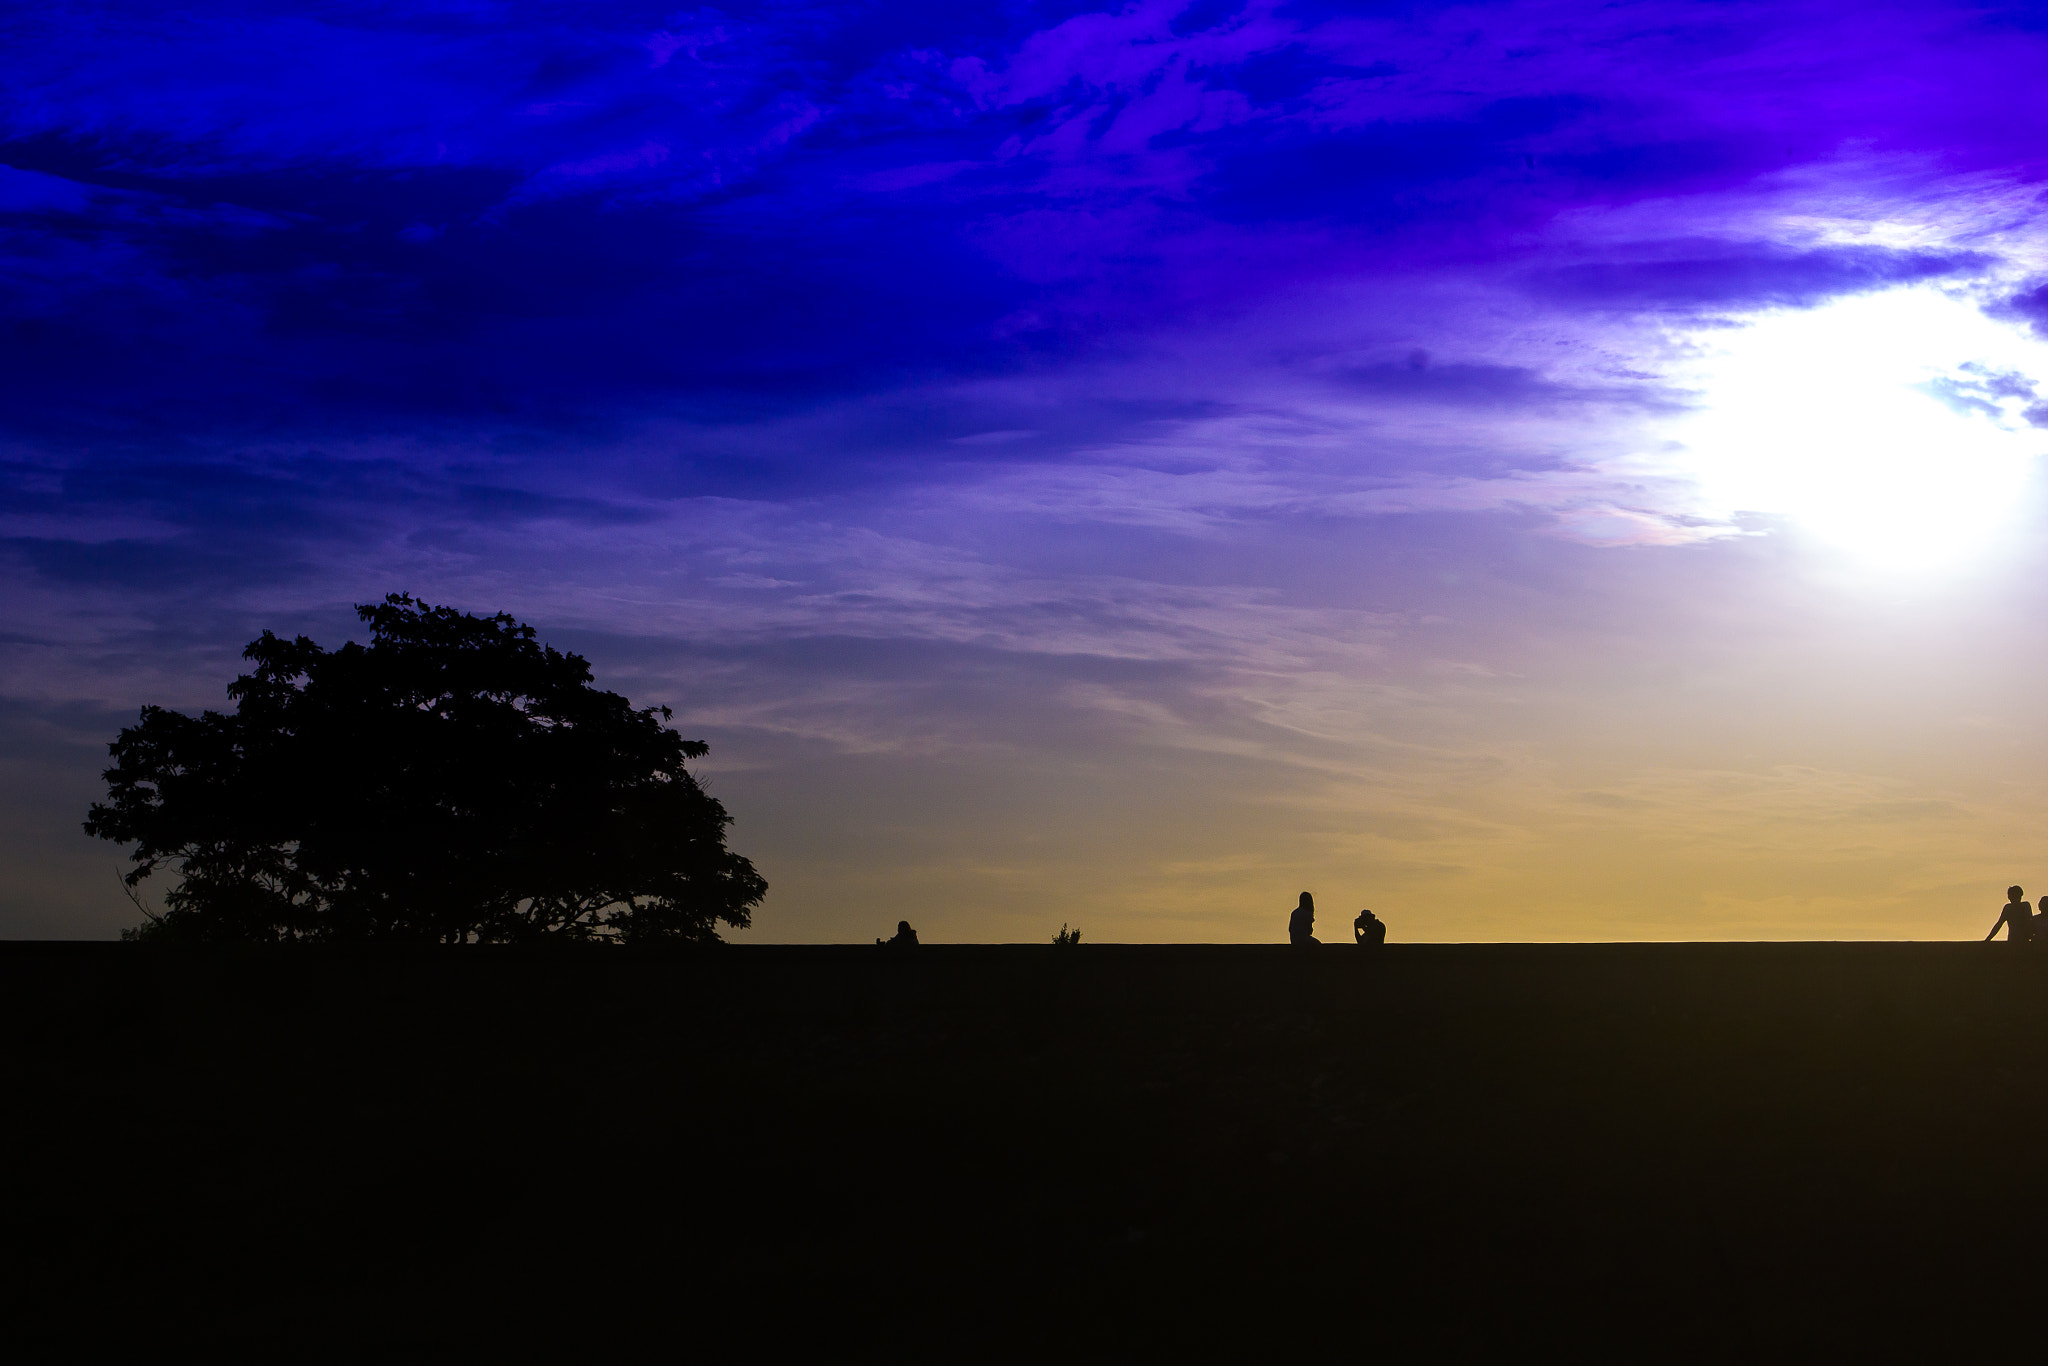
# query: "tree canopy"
[[453, 780]]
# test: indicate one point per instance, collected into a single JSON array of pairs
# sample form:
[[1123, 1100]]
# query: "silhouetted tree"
[[451, 780]]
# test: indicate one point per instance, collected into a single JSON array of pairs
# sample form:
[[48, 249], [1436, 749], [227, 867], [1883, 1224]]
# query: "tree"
[[451, 781]]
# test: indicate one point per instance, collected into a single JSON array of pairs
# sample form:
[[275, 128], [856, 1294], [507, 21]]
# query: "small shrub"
[[1066, 938]]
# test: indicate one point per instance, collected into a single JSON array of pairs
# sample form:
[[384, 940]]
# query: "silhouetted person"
[[2016, 917], [1301, 926], [1370, 929], [906, 938]]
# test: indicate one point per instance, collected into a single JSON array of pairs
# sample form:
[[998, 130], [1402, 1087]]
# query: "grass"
[[1681, 1151]]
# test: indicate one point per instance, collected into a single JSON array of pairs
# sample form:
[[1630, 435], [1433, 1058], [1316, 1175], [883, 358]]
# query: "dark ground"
[[1654, 1151]]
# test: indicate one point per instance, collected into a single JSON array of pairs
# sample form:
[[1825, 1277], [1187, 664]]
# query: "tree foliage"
[[453, 781]]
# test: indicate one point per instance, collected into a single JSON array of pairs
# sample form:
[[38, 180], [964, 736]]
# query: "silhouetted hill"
[[1669, 1151]]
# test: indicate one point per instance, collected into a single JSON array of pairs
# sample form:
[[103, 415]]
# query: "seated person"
[[1369, 928], [2016, 917], [1301, 925], [906, 938]]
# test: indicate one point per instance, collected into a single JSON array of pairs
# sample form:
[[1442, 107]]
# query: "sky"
[[1544, 471]]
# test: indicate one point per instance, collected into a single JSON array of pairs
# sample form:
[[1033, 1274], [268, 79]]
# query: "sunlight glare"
[[1893, 426]]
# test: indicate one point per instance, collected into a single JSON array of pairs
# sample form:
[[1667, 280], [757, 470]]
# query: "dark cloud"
[[508, 242], [257, 223], [1738, 274], [337, 318], [2031, 305], [1370, 176], [147, 566], [1418, 379], [1288, 73], [486, 503]]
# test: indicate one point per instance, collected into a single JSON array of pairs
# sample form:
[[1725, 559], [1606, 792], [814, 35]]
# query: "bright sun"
[[1894, 425]]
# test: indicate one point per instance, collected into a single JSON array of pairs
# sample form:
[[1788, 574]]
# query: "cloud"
[[647, 154], [570, 221], [2031, 305], [34, 192], [1417, 380], [1744, 275]]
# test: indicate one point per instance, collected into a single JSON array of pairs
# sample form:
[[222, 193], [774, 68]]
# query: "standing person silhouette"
[[1301, 926], [2016, 916]]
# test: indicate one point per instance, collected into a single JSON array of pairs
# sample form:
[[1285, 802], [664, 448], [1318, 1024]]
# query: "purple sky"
[[1545, 471]]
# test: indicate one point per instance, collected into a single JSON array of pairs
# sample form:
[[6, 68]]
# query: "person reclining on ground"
[[2016, 916], [906, 938], [1369, 928]]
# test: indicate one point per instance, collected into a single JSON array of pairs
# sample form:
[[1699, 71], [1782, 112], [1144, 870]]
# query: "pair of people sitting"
[[1368, 929]]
